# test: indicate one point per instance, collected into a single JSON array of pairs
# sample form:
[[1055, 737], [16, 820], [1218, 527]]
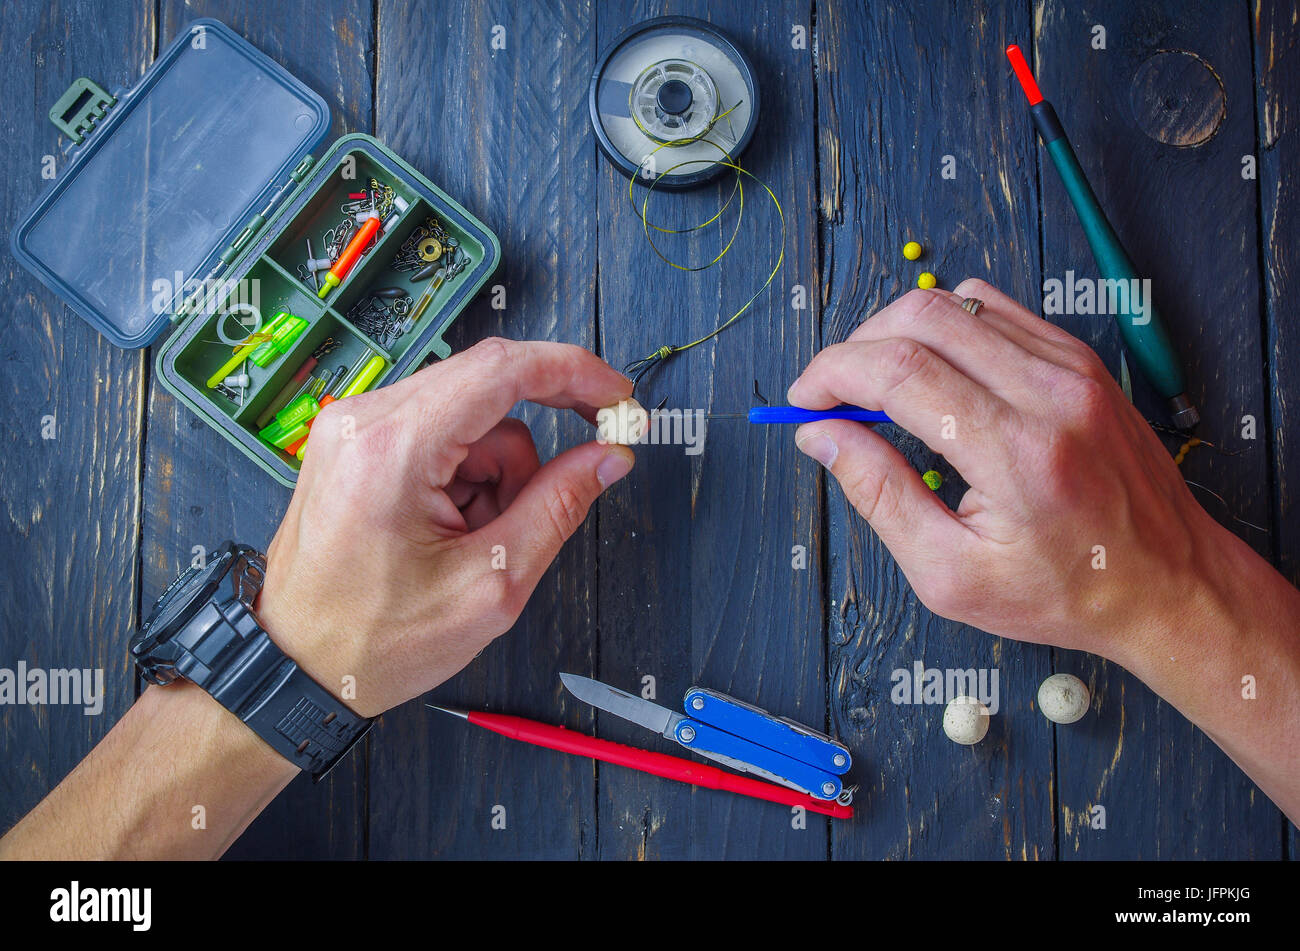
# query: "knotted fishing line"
[[639, 368], [663, 85]]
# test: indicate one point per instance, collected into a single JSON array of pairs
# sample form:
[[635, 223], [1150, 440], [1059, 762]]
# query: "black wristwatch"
[[203, 629]]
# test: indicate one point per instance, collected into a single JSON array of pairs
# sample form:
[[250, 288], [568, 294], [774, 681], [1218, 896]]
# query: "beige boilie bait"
[[623, 424], [965, 720], [1063, 698]]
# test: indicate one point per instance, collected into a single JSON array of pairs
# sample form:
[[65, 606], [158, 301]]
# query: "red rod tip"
[[1023, 74]]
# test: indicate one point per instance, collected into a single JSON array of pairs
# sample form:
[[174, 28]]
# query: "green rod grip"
[[1143, 330]]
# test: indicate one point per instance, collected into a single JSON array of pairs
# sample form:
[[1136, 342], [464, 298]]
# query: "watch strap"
[[223, 649], [298, 717]]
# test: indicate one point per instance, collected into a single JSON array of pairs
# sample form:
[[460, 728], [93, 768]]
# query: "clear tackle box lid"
[[165, 177]]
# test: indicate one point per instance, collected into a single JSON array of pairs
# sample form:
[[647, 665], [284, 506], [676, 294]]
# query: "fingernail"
[[819, 446], [613, 467], [789, 394]]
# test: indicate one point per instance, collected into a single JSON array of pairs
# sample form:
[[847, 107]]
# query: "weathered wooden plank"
[[686, 570], [72, 406], [503, 129], [1277, 131], [901, 88], [198, 488], [697, 584], [1160, 119]]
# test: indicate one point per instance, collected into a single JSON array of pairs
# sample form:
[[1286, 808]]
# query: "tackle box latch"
[[78, 109]]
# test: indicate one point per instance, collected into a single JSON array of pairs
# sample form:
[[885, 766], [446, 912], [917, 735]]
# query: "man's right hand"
[[1064, 473], [1077, 530]]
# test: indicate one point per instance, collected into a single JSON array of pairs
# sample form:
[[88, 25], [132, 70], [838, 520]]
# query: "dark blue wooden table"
[[688, 571]]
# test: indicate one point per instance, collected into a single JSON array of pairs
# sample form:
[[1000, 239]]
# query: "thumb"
[[553, 503], [881, 484]]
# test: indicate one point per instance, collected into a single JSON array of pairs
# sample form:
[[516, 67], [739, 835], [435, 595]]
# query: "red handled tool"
[[657, 764]]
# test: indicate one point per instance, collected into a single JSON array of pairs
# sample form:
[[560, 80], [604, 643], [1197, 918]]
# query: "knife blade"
[[623, 704]]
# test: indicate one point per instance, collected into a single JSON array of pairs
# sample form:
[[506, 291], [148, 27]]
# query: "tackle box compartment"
[[197, 192]]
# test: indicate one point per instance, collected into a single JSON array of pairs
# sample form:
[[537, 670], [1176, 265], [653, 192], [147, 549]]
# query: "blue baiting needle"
[[795, 414]]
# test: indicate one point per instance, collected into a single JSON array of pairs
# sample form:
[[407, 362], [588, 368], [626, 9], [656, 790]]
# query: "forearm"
[[1226, 654], [135, 795]]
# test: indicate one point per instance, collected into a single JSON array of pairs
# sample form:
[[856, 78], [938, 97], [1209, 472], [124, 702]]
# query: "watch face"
[[173, 603], [232, 576], [186, 595]]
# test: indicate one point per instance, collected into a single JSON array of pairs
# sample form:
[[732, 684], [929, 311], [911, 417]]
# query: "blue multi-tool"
[[736, 734]]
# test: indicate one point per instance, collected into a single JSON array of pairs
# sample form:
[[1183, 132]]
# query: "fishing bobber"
[[1063, 698], [965, 720], [623, 424]]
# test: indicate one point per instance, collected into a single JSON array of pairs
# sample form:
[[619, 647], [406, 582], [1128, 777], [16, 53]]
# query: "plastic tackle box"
[[186, 210]]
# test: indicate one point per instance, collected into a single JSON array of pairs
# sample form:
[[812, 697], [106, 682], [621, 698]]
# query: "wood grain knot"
[[1178, 99]]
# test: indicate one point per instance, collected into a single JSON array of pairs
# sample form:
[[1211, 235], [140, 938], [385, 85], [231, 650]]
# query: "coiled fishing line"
[[679, 83], [639, 368]]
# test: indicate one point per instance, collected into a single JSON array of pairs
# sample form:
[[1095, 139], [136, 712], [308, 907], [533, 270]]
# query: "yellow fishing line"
[[646, 226], [737, 187], [638, 368], [679, 143]]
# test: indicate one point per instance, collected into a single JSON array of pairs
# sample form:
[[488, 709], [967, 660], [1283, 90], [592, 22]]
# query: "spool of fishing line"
[[673, 81]]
